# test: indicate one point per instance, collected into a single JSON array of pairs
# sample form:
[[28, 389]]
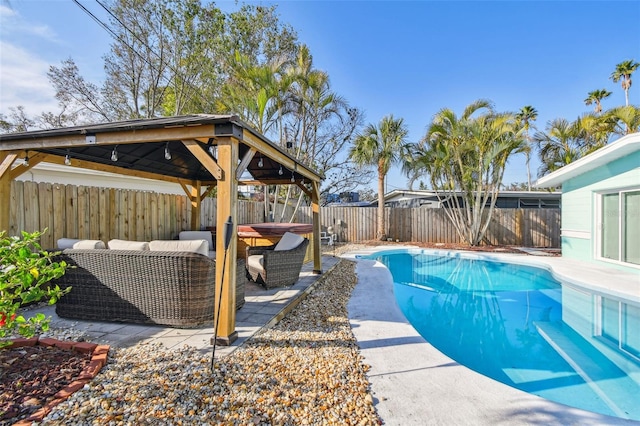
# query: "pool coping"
[[413, 383]]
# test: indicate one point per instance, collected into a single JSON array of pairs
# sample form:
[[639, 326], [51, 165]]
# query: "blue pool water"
[[505, 321]]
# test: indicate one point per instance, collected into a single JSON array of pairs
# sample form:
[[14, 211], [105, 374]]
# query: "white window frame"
[[597, 248], [598, 311]]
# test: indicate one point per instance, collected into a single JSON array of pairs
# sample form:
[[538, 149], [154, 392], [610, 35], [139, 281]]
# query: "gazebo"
[[199, 152]]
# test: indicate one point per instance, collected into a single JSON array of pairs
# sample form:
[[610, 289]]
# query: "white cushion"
[[66, 243], [256, 261], [289, 241], [194, 246], [128, 245], [89, 244], [197, 235]]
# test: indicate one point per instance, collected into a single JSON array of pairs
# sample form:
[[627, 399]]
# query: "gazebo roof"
[[140, 147]]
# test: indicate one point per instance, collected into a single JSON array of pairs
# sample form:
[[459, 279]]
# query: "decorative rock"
[[305, 370]]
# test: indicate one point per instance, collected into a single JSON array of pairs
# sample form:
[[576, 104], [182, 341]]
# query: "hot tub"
[[266, 234]]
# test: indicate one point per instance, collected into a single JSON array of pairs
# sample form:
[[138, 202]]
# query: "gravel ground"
[[305, 370]]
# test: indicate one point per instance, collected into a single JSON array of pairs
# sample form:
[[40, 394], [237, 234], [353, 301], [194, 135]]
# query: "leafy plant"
[[25, 270]]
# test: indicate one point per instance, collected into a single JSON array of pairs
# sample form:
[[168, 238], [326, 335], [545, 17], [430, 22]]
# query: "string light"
[[114, 154], [260, 162], [280, 172], [167, 153], [67, 160], [26, 158], [293, 179], [212, 151]]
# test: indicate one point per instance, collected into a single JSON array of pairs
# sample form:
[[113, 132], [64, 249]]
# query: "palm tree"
[[623, 72], [466, 157], [593, 131], [595, 97], [525, 116], [559, 145], [254, 92], [624, 120], [380, 146], [310, 102]]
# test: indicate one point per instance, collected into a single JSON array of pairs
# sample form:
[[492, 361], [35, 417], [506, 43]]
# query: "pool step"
[[608, 381]]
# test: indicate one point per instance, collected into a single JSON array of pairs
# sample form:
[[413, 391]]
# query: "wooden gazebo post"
[[226, 271], [6, 160], [196, 203], [315, 209]]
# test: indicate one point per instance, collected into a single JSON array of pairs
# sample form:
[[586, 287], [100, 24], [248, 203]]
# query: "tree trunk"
[[528, 156], [382, 234]]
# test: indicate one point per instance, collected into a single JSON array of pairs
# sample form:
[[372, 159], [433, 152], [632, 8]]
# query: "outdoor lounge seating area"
[[201, 153], [279, 264], [158, 282]]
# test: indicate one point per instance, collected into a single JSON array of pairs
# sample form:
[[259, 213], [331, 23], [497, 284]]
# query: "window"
[[619, 322], [620, 229]]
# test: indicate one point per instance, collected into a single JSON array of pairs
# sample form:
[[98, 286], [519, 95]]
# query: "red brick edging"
[[98, 360]]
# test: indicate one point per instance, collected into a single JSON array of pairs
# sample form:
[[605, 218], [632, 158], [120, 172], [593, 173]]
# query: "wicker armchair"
[[275, 268]]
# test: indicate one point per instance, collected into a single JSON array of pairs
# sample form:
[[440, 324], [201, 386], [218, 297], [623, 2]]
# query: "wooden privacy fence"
[[526, 227], [104, 213]]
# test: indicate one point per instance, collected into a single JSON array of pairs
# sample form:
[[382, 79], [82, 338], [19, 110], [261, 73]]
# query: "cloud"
[[23, 72], [23, 81], [13, 24]]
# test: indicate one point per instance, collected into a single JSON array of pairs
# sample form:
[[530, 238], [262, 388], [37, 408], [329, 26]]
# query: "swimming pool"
[[508, 322]]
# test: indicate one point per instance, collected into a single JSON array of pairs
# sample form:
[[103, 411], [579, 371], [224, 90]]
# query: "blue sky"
[[406, 58]]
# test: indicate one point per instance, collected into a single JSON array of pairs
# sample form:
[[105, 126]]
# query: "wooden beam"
[[274, 181], [205, 159], [6, 161], [202, 132], [208, 191], [226, 262], [245, 162], [272, 152], [186, 189], [55, 159], [195, 207], [315, 209], [304, 189], [33, 160]]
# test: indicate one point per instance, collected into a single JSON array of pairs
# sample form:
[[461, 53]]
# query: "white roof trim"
[[399, 194], [613, 151]]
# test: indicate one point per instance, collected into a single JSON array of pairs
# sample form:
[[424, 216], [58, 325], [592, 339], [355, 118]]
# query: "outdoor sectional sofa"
[[155, 283]]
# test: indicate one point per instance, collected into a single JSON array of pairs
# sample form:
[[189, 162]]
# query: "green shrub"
[[25, 270]]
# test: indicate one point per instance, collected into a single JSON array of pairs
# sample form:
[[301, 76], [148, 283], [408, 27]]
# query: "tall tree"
[[623, 73], [595, 97], [592, 131], [525, 116], [17, 121], [83, 98], [623, 120], [466, 157], [559, 145], [380, 146], [254, 92]]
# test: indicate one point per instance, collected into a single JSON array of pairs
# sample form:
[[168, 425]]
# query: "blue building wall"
[[579, 195]]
